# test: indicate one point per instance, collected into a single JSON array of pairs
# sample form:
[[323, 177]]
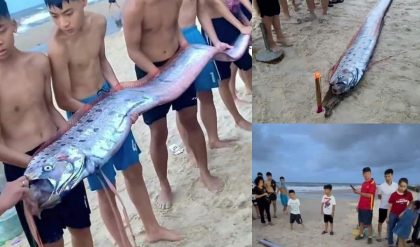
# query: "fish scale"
[[98, 133], [354, 62]]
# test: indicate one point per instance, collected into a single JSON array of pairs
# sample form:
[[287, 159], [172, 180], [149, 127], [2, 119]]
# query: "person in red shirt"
[[398, 202], [365, 206]]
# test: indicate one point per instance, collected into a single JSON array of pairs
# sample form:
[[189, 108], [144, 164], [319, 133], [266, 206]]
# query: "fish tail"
[[112, 188], [31, 224]]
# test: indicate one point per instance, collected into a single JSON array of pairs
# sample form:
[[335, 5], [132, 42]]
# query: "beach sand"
[[204, 218], [345, 221], [387, 94]]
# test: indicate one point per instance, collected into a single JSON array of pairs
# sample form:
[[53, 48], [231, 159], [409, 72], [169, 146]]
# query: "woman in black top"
[[262, 199]]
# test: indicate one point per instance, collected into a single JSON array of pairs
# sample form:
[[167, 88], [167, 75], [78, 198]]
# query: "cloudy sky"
[[336, 153]]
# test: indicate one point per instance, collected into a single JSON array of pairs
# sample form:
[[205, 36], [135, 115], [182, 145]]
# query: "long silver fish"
[[99, 132], [354, 62]]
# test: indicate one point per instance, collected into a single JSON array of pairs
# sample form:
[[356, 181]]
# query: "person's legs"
[[188, 119], [261, 210], [274, 208], [268, 22], [208, 115], [267, 210], [257, 210], [159, 155], [285, 8], [416, 230], [112, 217], [137, 191], [324, 7], [59, 243], [311, 9], [81, 237], [393, 219], [230, 105], [332, 227], [279, 34]]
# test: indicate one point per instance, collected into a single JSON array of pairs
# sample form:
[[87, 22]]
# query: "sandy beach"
[[387, 94], [345, 221], [204, 218]]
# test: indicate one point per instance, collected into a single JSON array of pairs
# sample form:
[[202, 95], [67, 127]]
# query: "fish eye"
[[47, 168]]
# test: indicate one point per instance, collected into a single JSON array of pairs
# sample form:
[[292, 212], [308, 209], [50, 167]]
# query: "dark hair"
[[328, 187], [281, 177], [403, 180], [416, 204], [56, 3], [366, 169], [268, 174], [257, 180], [4, 11], [389, 171], [291, 191], [259, 174]]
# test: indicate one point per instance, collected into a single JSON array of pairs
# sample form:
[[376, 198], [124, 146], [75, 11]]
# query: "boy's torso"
[[160, 28], [25, 120], [386, 190], [83, 54], [294, 206]]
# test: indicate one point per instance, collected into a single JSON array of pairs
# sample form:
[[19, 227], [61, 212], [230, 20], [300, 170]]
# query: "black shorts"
[[187, 99], [73, 211], [228, 34], [365, 217], [272, 197], [328, 218], [383, 214], [112, 1], [297, 218], [268, 7]]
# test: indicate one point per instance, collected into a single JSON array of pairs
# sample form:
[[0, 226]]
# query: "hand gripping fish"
[[98, 131], [352, 65]]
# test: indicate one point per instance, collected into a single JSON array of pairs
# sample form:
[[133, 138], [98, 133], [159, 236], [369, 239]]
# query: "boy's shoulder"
[[97, 20], [35, 59]]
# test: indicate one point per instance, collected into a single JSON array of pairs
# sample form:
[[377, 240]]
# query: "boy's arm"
[[107, 71], [133, 34], [182, 41], [247, 5], [57, 118], [322, 206], [333, 211], [205, 21], [61, 79], [222, 10]]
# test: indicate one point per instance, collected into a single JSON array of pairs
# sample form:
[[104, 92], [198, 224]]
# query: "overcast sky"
[[336, 153]]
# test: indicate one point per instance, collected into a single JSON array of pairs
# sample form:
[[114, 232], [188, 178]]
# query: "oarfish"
[[97, 132], [351, 67]]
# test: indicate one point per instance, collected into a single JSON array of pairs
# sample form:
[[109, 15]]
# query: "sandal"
[[331, 233], [324, 232]]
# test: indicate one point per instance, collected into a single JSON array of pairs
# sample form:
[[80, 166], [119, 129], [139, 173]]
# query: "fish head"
[[51, 177], [343, 81]]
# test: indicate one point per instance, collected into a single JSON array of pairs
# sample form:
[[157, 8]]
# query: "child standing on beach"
[[28, 119], [398, 203], [283, 193], [261, 196], [81, 73], [406, 221], [328, 208], [384, 192], [294, 208], [270, 186]]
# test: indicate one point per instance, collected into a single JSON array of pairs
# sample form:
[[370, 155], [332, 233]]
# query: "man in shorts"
[[384, 192], [270, 187], [365, 205]]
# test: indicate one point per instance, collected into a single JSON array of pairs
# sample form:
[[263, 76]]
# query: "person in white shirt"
[[384, 192], [293, 205], [328, 208]]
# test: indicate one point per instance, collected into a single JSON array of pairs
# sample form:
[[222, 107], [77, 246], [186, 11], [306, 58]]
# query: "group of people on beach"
[[269, 11], [79, 71], [397, 207]]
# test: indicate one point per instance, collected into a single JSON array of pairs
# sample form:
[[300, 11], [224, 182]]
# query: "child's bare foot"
[[323, 18], [165, 198], [212, 183], [245, 125], [163, 234], [275, 48], [283, 42], [309, 17], [221, 143]]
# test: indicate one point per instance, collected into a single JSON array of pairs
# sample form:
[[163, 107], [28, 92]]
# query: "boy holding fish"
[[81, 73], [152, 39], [27, 120]]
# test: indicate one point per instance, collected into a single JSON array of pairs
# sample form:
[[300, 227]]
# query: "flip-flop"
[[176, 149], [324, 232], [331, 233]]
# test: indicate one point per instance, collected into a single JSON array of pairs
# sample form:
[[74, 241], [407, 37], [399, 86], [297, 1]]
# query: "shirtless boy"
[[270, 187], [283, 193], [27, 120], [206, 80], [227, 30], [152, 38], [81, 72]]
